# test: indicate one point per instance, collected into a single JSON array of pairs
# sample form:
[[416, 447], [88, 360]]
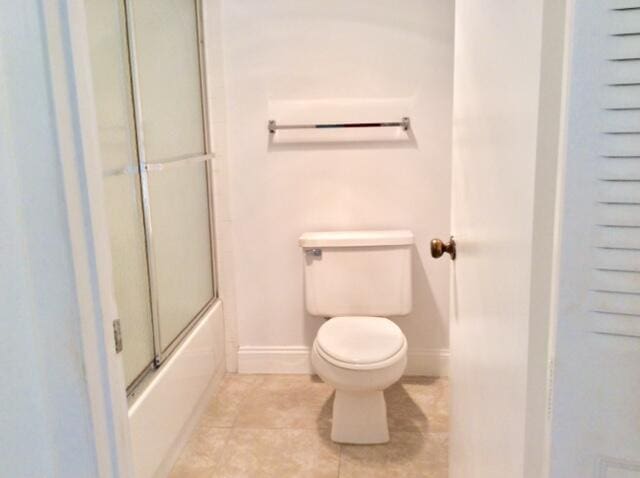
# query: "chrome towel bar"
[[405, 124]]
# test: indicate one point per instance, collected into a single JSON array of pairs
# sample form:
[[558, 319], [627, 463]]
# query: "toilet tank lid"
[[356, 238]]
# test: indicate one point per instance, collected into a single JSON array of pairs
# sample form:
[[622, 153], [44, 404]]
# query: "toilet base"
[[360, 418]]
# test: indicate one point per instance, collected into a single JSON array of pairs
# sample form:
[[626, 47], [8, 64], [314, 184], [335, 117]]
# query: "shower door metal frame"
[[161, 355]]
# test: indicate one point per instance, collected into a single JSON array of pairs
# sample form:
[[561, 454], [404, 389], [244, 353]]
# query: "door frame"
[[74, 114], [556, 53], [550, 179], [67, 43], [559, 209]]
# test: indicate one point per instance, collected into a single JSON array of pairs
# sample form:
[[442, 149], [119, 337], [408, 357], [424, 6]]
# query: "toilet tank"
[[357, 273]]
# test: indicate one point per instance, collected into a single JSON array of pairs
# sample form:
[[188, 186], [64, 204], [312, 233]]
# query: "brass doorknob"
[[438, 248]]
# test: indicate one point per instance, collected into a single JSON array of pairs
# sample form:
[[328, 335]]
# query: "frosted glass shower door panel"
[[182, 244], [111, 85], [130, 277], [167, 55]]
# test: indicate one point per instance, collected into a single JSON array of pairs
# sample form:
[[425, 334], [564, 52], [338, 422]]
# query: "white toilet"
[[357, 279]]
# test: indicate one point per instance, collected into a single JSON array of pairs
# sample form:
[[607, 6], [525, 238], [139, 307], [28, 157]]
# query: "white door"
[[502, 203], [596, 401]]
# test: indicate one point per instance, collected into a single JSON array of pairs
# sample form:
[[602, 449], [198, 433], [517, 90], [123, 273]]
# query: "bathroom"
[[342, 239]]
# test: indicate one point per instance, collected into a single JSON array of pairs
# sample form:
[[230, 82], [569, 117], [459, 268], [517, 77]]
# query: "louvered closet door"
[[596, 408]]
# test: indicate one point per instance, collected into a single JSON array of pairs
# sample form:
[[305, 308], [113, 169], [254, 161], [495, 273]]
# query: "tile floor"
[[279, 426]]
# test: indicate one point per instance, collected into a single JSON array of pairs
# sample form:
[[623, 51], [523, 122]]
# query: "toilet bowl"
[[359, 357], [357, 279]]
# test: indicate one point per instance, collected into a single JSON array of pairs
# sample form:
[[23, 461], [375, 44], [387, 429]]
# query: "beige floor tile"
[[223, 409], [407, 455], [279, 425], [279, 453], [287, 401], [202, 454], [418, 404]]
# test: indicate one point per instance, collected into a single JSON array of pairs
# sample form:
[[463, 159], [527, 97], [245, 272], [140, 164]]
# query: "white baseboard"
[[259, 359], [295, 359], [428, 362]]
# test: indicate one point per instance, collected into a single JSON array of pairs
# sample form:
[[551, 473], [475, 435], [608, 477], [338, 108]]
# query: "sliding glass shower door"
[[173, 139], [149, 88]]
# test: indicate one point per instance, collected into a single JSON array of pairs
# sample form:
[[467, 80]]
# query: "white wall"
[[344, 61]]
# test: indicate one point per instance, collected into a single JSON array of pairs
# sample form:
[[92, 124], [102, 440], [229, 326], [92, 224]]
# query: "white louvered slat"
[[618, 215], [622, 46], [617, 237], [617, 281], [620, 120], [617, 259], [619, 192], [621, 168], [620, 144], [621, 97], [612, 302], [621, 72], [617, 324], [623, 21], [623, 4]]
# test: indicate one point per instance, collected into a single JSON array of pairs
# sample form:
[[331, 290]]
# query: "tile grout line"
[[224, 455]]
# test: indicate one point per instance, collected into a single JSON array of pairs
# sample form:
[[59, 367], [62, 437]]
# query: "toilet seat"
[[360, 343]]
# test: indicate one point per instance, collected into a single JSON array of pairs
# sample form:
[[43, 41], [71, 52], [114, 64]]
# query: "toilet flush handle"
[[438, 248], [315, 252]]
